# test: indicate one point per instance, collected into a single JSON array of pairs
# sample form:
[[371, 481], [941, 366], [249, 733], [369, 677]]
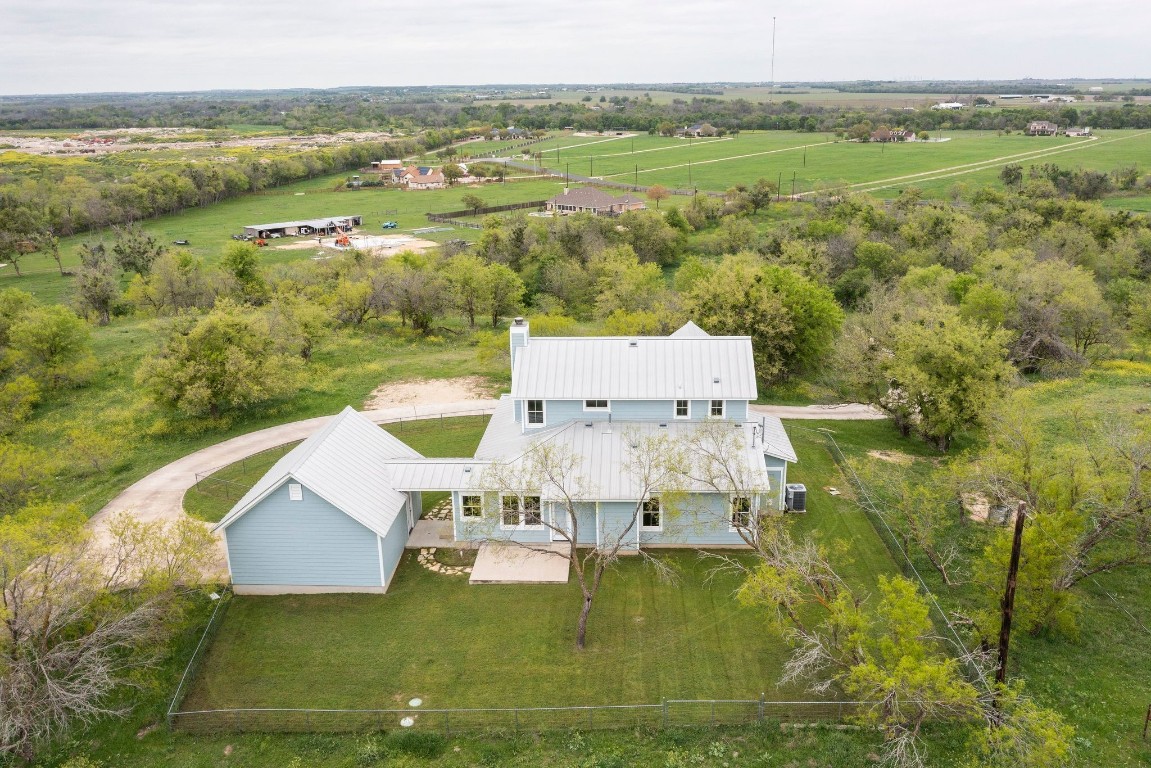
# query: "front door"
[[561, 522]]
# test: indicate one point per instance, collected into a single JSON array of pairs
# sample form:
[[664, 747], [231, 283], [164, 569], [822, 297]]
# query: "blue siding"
[[561, 411], [615, 516], [302, 543], [391, 547], [701, 520]]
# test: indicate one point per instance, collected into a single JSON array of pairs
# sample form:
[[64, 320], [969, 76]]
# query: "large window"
[[652, 517], [536, 412], [517, 511], [471, 506], [682, 409], [595, 405], [740, 512], [717, 409]]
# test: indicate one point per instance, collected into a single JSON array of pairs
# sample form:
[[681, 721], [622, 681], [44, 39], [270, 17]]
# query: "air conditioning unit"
[[795, 497]]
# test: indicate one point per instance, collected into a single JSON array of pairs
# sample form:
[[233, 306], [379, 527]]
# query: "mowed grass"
[[451, 644], [211, 498], [209, 229]]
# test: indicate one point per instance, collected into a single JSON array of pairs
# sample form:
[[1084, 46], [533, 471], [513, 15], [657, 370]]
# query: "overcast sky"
[[69, 46]]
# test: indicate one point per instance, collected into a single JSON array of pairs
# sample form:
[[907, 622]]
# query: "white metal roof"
[[314, 223], [433, 474], [641, 368], [775, 440], [343, 464], [603, 450]]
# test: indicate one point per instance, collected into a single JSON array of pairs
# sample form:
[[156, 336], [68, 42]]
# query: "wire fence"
[[198, 654], [866, 502], [670, 713]]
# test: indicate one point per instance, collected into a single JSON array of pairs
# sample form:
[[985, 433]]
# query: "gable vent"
[[715, 380]]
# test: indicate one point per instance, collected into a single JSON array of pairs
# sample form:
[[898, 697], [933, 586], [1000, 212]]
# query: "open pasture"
[[210, 228]]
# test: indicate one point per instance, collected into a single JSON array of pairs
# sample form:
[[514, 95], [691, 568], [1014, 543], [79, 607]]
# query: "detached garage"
[[325, 518]]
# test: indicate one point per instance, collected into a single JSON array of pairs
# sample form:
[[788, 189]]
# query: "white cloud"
[[80, 45]]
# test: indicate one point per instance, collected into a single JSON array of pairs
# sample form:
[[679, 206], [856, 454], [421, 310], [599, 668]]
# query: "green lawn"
[[211, 498]]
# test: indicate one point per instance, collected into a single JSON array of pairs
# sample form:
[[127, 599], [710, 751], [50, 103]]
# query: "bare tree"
[[81, 619], [547, 487]]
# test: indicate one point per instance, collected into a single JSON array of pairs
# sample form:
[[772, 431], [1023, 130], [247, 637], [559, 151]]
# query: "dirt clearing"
[[425, 391]]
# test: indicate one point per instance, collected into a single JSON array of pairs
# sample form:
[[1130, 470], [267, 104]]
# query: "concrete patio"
[[430, 532], [514, 564]]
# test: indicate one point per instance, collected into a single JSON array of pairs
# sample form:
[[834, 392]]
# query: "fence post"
[[713, 713], [590, 712], [517, 714], [762, 705], [664, 712], [308, 719], [236, 718]]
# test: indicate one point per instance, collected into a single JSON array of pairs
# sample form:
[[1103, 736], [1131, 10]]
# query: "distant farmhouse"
[[593, 201], [697, 130], [1042, 128], [423, 177], [899, 134]]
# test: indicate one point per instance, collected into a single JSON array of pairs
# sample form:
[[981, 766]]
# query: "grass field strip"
[[698, 143], [721, 159], [983, 165]]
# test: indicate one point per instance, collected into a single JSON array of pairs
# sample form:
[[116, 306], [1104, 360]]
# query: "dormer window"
[[595, 405]]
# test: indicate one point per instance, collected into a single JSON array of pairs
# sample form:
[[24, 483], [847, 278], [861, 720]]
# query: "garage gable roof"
[[343, 464]]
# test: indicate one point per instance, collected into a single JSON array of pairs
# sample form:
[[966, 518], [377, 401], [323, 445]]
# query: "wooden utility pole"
[[1008, 604]]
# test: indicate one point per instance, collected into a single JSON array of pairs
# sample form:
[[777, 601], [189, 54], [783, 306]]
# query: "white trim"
[[598, 528], [295, 492], [751, 508], [227, 554], [543, 408], [380, 552], [464, 516], [596, 409], [651, 528], [675, 408], [456, 519], [231, 518], [722, 408], [522, 525]]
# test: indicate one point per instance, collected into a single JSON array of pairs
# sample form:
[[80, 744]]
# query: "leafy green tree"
[[473, 201], [135, 250], [17, 399], [242, 262], [1011, 174], [735, 300], [759, 194], [467, 275], [815, 316], [945, 375], [351, 301], [13, 304], [452, 173], [178, 281], [502, 292], [623, 283], [97, 283], [24, 471], [18, 235], [225, 360], [51, 345]]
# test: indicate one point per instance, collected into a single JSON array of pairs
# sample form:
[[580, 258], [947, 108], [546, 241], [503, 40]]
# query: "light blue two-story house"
[[642, 441]]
